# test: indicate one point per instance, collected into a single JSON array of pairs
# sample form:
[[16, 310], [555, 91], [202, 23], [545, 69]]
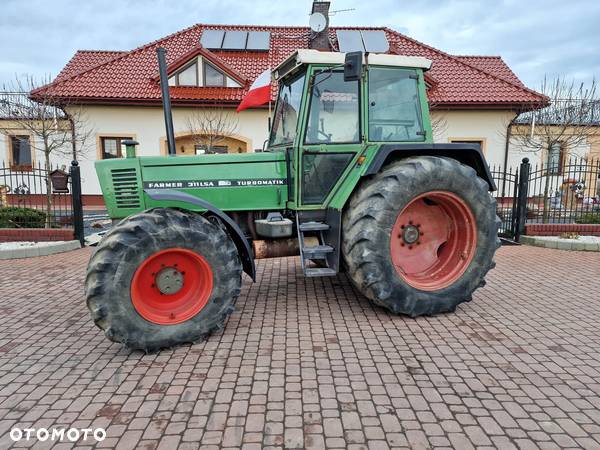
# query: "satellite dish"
[[317, 22]]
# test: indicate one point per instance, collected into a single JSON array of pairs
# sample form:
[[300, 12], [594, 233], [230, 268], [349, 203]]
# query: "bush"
[[589, 218], [12, 217]]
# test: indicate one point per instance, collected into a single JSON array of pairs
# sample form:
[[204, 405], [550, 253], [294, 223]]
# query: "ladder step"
[[319, 272], [316, 252], [313, 226]]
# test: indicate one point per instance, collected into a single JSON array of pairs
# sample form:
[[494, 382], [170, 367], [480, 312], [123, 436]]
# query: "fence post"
[[524, 170], [77, 203]]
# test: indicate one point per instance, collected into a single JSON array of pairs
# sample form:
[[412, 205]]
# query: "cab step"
[[320, 254], [313, 226], [317, 252], [319, 272]]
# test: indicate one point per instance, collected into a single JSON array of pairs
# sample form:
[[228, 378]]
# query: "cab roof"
[[309, 56]]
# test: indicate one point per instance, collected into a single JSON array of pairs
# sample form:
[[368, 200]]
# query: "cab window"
[[285, 119], [334, 110], [394, 107]]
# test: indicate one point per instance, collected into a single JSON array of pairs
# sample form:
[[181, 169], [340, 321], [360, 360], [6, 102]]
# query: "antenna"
[[335, 11]]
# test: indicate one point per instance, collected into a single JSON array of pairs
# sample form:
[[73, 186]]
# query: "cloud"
[[535, 37]]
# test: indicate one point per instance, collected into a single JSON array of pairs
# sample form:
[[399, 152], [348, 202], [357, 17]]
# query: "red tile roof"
[[131, 77]]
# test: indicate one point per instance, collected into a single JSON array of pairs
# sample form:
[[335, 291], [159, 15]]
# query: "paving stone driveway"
[[309, 363]]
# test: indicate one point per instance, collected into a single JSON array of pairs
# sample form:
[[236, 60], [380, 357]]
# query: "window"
[[555, 159], [188, 76], [320, 173], [111, 147], [285, 118], [394, 107], [202, 149], [213, 76], [478, 141], [334, 113], [20, 152]]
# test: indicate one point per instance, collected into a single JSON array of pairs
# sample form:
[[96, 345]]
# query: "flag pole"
[[269, 114]]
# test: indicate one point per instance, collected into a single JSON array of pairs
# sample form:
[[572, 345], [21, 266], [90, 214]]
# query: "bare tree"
[[439, 124], [570, 117], [569, 120], [55, 124], [210, 127]]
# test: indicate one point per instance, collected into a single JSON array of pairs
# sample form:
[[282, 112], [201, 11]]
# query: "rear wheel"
[[162, 278], [419, 237]]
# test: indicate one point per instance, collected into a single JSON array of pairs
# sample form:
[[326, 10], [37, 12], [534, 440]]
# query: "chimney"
[[320, 41]]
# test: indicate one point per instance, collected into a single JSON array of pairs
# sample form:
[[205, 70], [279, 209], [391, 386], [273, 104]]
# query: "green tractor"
[[350, 180]]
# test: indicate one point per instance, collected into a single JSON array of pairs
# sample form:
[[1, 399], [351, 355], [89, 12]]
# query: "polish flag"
[[259, 93]]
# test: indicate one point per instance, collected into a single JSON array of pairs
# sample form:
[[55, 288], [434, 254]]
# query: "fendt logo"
[[57, 434]]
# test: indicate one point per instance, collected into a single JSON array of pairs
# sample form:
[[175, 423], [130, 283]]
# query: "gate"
[[565, 193], [506, 199], [41, 197]]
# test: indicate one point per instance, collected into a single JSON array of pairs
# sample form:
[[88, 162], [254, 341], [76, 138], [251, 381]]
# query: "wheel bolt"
[[418, 242], [402, 226], [410, 247], [402, 245], [410, 222]]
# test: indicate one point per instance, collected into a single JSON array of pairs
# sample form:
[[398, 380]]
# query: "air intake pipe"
[[166, 99]]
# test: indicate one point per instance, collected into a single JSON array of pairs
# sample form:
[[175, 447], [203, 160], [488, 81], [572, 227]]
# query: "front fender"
[[240, 241]]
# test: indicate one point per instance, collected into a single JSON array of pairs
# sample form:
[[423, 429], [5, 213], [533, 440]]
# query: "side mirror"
[[353, 66]]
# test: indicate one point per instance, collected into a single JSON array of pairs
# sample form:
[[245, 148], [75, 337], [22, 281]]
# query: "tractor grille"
[[125, 183]]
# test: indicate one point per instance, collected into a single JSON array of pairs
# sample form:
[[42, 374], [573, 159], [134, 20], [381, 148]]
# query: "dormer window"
[[200, 72], [188, 76], [213, 76]]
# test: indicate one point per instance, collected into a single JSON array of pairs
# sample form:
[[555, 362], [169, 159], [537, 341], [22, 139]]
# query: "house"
[[210, 68]]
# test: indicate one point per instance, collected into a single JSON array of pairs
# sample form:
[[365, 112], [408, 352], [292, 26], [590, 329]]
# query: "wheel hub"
[[438, 257], [169, 280], [411, 234], [171, 286]]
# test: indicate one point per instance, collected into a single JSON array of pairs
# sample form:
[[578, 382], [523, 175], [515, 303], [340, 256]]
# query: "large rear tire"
[[163, 278], [420, 236]]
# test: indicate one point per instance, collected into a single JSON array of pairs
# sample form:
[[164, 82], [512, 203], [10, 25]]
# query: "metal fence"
[[41, 197], [565, 193]]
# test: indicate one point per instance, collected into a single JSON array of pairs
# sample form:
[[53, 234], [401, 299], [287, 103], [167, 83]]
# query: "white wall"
[[147, 125], [490, 126]]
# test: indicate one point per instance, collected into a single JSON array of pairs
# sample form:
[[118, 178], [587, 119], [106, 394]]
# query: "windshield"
[[285, 119], [394, 108]]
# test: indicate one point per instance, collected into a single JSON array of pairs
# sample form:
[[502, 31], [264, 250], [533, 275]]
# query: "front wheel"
[[162, 278], [420, 236]]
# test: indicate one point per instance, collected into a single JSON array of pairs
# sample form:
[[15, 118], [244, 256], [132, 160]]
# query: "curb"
[[566, 244], [32, 252]]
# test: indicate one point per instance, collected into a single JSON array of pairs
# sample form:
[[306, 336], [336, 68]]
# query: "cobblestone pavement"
[[309, 363]]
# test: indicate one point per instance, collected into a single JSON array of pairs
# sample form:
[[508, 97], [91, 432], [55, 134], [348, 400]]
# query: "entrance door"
[[332, 135]]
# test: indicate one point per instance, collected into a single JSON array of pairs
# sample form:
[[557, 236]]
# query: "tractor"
[[349, 179]]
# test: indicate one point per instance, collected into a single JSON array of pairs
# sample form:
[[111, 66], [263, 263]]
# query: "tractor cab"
[[332, 106]]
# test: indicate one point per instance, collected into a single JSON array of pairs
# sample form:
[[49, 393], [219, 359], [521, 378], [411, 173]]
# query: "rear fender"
[[467, 154], [240, 241]]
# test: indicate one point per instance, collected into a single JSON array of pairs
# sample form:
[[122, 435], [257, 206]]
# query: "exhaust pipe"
[[166, 99]]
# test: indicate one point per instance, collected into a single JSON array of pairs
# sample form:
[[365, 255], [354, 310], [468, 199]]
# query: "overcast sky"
[[534, 37]]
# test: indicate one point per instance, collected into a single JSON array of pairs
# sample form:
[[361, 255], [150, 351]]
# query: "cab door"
[[332, 136]]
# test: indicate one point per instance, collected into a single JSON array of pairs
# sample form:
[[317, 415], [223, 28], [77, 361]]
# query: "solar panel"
[[235, 40], [349, 41], [375, 41], [258, 40], [212, 38]]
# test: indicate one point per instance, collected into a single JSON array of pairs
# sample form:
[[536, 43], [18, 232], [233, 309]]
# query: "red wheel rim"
[[433, 240], [171, 286]]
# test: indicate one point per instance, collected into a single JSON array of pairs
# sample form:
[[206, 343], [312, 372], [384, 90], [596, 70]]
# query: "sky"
[[536, 38]]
